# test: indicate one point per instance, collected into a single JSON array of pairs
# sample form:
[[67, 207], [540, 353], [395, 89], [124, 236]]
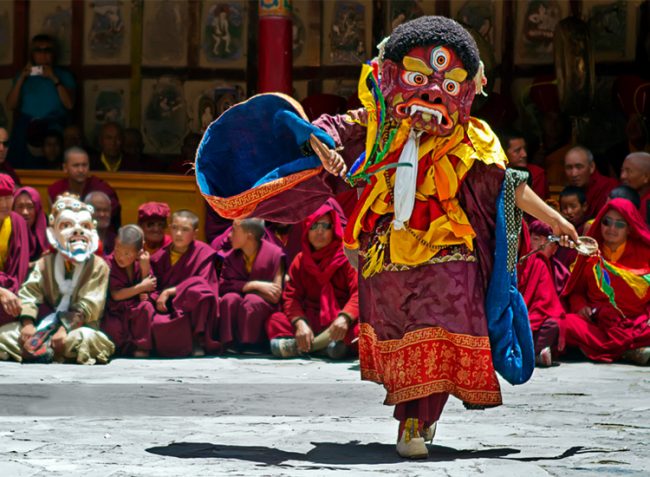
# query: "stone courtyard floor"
[[257, 416]]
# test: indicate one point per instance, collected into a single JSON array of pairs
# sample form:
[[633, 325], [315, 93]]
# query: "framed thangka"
[[306, 30], [107, 32], [536, 21], [400, 11], [347, 32], [164, 115], [207, 100], [223, 34], [613, 28], [164, 33], [104, 101], [55, 19], [484, 17], [6, 33]]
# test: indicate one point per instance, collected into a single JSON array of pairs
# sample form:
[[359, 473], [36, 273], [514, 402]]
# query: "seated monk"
[[129, 312], [320, 301], [187, 296], [27, 203], [102, 215], [535, 280], [608, 327], [81, 182], [152, 217], [580, 170], [63, 298], [250, 285], [14, 263]]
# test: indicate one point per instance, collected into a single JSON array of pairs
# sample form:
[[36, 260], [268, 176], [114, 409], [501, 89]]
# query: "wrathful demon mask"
[[430, 72], [72, 231]]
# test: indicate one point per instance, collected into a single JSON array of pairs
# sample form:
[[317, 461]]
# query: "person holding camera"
[[42, 92]]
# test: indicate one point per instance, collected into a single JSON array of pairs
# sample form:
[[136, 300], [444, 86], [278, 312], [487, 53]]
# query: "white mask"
[[72, 229]]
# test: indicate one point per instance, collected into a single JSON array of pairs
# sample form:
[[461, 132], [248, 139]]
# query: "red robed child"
[[250, 284], [187, 297], [129, 313]]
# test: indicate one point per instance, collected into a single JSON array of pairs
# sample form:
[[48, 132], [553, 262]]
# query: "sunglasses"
[[321, 225], [5, 143], [46, 49], [619, 224]]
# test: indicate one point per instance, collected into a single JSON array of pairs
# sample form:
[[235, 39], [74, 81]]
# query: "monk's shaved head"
[[187, 214], [641, 160], [635, 172], [131, 235], [253, 226]]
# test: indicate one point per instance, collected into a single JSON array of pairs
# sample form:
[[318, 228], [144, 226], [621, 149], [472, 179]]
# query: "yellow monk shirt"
[[248, 262], [5, 236], [174, 256]]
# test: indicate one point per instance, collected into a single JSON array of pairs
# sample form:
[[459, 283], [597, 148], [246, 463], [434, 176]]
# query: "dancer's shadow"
[[325, 453]]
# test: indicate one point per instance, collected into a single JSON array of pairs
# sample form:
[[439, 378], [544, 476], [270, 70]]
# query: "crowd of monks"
[[289, 290]]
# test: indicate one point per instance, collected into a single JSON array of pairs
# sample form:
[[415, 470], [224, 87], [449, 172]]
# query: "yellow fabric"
[[249, 261], [413, 247], [614, 256], [5, 236], [368, 101], [110, 167], [174, 256]]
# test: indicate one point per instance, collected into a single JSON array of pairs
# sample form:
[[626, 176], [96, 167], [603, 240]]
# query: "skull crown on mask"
[[72, 230]]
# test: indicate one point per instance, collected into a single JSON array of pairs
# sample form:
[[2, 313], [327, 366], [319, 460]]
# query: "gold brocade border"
[[243, 204], [430, 360]]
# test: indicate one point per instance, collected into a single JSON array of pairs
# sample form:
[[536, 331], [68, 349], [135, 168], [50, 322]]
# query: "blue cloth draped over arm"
[[509, 330]]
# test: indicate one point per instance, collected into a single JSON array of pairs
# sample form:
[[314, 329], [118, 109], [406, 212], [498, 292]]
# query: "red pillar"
[[274, 47]]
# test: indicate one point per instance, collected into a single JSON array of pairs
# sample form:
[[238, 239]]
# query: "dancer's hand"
[[10, 302], [26, 332], [331, 159], [58, 341], [566, 231]]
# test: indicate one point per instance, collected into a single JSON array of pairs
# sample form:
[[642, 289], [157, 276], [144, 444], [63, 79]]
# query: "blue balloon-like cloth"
[[256, 142]]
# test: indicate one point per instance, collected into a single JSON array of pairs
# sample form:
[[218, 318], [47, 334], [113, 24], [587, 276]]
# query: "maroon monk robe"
[[14, 272], [540, 183], [215, 225], [243, 315], [38, 242], [597, 192], [321, 285], [92, 184], [535, 282], [610, 332], [645, 198], [127, 322], [195, 308]]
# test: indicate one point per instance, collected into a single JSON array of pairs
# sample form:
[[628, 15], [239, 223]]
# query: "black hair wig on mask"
[[433, 30]]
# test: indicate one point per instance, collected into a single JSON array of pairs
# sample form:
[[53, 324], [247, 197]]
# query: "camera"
[[36, 71]]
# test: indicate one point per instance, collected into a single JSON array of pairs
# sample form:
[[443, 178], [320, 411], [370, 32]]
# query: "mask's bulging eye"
[[451, 87], [413, 78], [440, 58]]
